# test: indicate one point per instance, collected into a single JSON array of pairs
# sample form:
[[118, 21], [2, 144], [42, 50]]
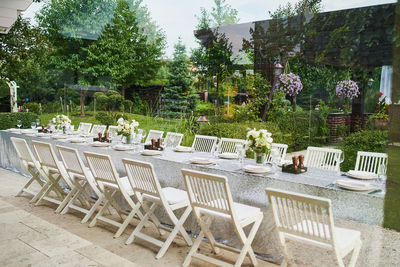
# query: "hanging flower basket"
[[290, 84]]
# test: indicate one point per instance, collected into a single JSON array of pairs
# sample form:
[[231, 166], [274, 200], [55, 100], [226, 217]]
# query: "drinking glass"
[[19, 124], [275, 158], [340, 160], [381, 175], [33, 125], [37, 122], [239, 151]]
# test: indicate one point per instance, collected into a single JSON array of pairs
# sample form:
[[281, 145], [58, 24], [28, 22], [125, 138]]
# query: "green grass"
[[145, 122], [392, 198]]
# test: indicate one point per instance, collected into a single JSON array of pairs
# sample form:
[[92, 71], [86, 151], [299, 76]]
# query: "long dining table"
[[246, 188]]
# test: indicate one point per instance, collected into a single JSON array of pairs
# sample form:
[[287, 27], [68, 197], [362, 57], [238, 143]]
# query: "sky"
[[177, 17]]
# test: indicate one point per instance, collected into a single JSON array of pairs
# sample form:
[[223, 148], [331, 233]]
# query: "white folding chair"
[[84, 128], [204, 143], [308, 219], [30, 163], [173, 139], [55, 174], [282, 148], [228, 145], [98, 129], [210, 197], [113, 130], [83, 181], [323, 158], [147, 189], [371, 162], [110, 184], [153, 134]]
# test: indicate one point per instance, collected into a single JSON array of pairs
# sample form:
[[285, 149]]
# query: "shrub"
[[32, 107], [371, 141], [204, 108], [109, 118], [52, 107], [9, 120]]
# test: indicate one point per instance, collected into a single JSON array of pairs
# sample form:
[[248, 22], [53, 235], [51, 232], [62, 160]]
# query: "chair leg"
[[93, 222], [35, 177], [93, 209], [41, 192], [194, 248], [64, 204], [356, 252], [141, 224], [204, 225], [178, 228], [127, 220]]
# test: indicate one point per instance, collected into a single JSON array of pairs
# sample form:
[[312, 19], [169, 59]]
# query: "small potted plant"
[[260, 143], [348, 90], [127, 129], [291, 85]]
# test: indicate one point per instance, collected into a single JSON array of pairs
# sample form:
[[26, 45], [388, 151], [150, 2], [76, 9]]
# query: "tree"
[[179, 91], [123, 53], [23, 59], [302, 7], [223, 14]]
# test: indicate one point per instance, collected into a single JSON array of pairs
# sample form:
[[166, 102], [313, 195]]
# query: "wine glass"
[[275, 158], [382, 174], [19, 124], [340, 160], [33, 125], [37, 122], [239, 151]]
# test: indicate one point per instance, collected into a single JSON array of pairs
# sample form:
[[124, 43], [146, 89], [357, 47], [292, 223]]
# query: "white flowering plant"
[[125, 127], [61, 121], [260, 141]]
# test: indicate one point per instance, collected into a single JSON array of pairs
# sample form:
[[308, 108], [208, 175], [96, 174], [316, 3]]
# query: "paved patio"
[[36, 236]]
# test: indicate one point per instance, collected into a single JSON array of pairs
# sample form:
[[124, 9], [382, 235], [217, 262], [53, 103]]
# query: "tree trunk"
[[294, 103], [123, 91], [217, 96], [82, 101]]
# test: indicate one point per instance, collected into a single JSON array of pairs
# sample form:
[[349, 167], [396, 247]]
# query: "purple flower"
[[347, 89], [290, 84]]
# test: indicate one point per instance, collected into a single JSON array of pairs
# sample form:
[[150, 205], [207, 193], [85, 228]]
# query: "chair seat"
[[124, 183], [345, 238], [242, 211], [172, 195]]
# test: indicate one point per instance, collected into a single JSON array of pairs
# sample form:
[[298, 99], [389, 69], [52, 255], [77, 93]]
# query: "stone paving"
[[36, 236]]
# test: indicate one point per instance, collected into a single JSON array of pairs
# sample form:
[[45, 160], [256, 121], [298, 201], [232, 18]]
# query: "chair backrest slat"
[[323, 158], [45, 154], [229, 145], [23, 151], [84, 127], [371, 161], [102, 168], [203, 143], [282, 148], [153, 134], [302, 215], [113, 130], [209, 191], [173, 139], [71, 160], [98, 129]]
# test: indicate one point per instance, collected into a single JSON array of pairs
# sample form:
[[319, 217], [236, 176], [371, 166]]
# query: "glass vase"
[[259, 157], [128, 139]]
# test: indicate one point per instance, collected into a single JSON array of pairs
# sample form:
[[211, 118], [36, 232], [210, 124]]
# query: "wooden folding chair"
[[98, 129], [371, 162], [110, 184], [323, 158], [210, 197], [84, 128], [282, 148], [30, 163], [173, 139], [147, 189], [204, 143], [228, 145], [113, 131], [308, 219], [83, 182], [153, 134], [55, 173]]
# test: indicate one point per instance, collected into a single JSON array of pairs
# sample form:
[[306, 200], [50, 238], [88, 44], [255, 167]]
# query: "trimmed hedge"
[[9, 120], [370, 141]]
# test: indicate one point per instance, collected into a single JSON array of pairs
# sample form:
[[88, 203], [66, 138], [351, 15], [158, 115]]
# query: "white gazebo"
[[9, 11]]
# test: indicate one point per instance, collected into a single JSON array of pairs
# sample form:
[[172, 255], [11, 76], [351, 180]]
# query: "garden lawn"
[[392, 199]]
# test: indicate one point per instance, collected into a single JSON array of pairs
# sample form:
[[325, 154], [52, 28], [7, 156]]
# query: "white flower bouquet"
[[259, 141], [125, 128], [61, 121]]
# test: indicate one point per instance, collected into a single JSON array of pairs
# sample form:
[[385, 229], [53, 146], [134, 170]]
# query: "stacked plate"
[[123, 147], [150, 152], [183, 149], [201, 161], [354, 185], [101, 144], [78, 140], [59, 136], [362, 175], [259, 169], [41, 134], [228, 155]]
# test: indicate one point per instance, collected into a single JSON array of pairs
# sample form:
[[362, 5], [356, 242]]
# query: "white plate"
[[202, 161], [59, 136], [41, 134], [28, 131], [228, 155], [362, 175], [100, 144], [355, 185], [183, 149], [150, 152], [78, 140], [256, 169], [123, 147], [14, 130]]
